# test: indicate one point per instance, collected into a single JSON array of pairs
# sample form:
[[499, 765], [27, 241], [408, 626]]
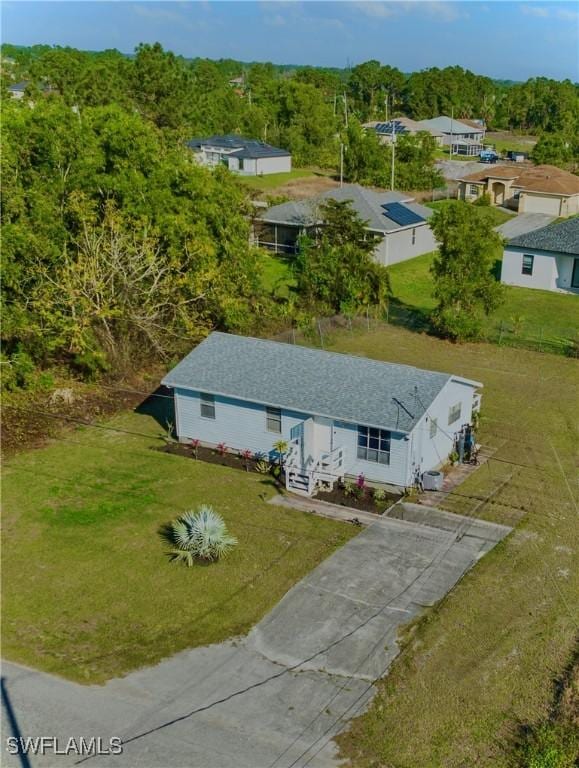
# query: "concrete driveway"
[[523, 223], [275, 698]]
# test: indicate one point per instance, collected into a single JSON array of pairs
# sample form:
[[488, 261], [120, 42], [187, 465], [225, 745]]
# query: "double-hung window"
[[374, 445], [454, 413], [273, 419], [528, 260], [473, 189], [207, 405]]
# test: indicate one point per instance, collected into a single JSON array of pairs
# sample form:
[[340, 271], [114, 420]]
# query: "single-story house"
[[247, 157], [394, 218], [546, 258], [526, 189], [464, 137], [340, 415], [16, 90], [401, 126]]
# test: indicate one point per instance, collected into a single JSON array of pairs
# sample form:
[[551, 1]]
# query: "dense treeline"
[[117, 246], [302, 109]]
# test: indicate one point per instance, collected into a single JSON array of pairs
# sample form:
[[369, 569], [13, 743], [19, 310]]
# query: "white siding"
[[238, 424], [431, 452], [398, 246], [241, 425], [551, 271], [274, 165], [396, 473]]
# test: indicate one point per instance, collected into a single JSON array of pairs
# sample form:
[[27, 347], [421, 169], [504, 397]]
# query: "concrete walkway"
[[453, 477], [275, 698], [325, 509]]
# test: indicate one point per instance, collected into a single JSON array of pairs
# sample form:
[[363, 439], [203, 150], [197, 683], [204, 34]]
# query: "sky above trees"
[[494, 38]]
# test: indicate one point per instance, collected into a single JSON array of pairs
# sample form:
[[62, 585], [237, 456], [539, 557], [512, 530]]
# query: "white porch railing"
[[304, 479]]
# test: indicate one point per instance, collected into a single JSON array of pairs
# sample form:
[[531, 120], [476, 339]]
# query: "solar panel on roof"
[[401, 214], [387, 128]]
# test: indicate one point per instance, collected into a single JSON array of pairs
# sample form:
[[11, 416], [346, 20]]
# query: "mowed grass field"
[[485, 660], [273, 180], [88, 590], [527, 316]]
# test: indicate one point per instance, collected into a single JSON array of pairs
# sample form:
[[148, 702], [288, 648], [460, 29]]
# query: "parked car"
[[489, 156]]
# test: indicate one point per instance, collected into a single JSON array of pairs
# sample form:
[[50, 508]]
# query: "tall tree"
[[335, 270], [464, 285]]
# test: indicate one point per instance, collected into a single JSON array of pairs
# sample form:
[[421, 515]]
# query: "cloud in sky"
[[437, 9], [546, 12]]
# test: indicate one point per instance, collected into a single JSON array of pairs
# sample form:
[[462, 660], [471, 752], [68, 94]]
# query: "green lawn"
[[276, 276], [485, 659], [273, 180], [495, 216], [88, 591], [528, 317]]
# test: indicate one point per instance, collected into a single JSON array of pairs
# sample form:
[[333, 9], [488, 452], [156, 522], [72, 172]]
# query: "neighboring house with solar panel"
[[401, 126], [546, 258], [399, 223], [247, 157], [341, 415]]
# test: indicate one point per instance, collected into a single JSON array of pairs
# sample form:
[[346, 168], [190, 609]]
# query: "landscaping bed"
[[355, 499], [348, 494], [213, 456]]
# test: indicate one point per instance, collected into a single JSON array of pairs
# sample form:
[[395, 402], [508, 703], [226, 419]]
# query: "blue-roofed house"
[[399, 224], [247, 157], [341, 415]]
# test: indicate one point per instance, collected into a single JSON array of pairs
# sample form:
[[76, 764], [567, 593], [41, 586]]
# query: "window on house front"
[[433, 427], [207, 406], [473, 189], [374, 445], [528, 260], [273, 419], [413, 235], [454, 413]]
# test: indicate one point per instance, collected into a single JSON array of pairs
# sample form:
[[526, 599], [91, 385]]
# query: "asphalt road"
[[275, 698]]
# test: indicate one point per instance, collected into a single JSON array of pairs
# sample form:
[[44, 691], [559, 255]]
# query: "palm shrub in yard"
[[200, 535]]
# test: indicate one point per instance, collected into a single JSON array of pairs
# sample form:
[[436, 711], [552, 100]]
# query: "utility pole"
[[249, 96], [451, 128], [386, 106], [341, 164], [393, 157], [345, 109]]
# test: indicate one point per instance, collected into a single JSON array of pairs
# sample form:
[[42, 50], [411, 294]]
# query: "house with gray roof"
[[247, 157], [341, 415], [546, 258], [397, 222], [463, 138]]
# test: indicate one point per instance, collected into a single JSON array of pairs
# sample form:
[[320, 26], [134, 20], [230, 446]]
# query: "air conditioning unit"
[[432, 481]]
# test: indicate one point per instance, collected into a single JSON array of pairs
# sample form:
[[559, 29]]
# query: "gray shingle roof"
[[367, 203], [562, 238], [446, 124], [319, 383], [242, 147]]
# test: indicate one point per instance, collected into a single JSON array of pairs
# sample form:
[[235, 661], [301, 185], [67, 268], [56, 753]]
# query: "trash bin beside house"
[[432, 481]]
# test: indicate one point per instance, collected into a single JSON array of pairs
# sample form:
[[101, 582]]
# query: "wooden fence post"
[[321, 334]]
